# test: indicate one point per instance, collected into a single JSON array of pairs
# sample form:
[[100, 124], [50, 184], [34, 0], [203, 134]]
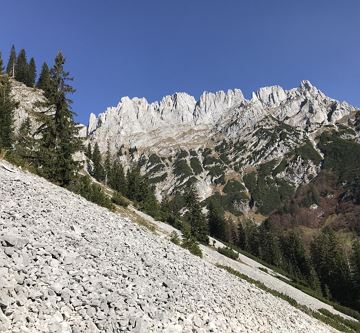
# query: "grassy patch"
[[228, 252], [233, 186], [119, 200], [308, 153]]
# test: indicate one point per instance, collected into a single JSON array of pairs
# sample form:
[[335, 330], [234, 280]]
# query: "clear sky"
[[150, 48]]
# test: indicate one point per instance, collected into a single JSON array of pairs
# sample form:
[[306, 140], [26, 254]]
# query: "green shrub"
[[91, 191], [119, 200], [158, 179], [175, 238], [190, 243], [208, 160], [307, 152], [17, 160], [228, 252], [154, 159], [354, 325], [182, 169], [182, 154], [196, 165], [233, 186]]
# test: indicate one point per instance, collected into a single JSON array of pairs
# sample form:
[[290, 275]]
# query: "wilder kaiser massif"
[[266, 188]]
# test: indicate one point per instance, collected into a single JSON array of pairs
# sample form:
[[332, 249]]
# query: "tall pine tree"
[[44, 79], [59, 134], [21, 67], [217, 227], [25, 144], [116, 178], [98, 171], [31, 77], [10, 68], [1, 65], [7, 106], [195, 217]]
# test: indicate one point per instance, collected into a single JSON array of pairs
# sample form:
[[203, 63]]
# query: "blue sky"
[[150, 48]]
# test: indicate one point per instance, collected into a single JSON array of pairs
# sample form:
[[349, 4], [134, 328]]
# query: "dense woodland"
[[321, 263]]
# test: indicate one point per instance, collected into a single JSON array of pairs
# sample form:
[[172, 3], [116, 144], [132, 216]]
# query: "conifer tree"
[[98, 171], [195, 217], [59, 133], [133, 181], [355, 262], [10, 68], [7, 106], [21, 68], [88, 152], [25, 145], [1, 65], [44, 79], [242, 237], [217, 227], [107, 165], [31, 77], [331, 266], [116, 178]]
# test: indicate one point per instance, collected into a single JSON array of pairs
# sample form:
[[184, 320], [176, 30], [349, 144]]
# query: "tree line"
[[324, 266]]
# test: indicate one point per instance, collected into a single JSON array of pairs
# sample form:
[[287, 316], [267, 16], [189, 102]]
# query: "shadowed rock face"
[[67, 265]]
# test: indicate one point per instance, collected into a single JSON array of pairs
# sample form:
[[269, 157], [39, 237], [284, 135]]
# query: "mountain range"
[[253, 153]]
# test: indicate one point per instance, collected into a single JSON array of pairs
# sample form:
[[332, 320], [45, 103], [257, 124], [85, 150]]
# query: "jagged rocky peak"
[[270, 96], [178, 117], [209, 101], [178, 101]]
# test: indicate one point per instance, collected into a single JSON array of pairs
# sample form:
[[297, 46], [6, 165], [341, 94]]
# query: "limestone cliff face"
[[221, 137], [29, 101], [137, 123]]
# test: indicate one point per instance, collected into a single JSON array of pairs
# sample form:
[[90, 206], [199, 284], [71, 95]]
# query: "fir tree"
[[88, 152], [195, 217], [44, 79], [1, 65], [7, 106], [107, 165], [31, 77], [116, 178], [140, 191], [242, 237], [25, 145], [133, 181], [98, 171], [355, 262], [59, 134], [331, 265], [21, 68], [10, 68], [148, 202], [217, 227], [295, 258]]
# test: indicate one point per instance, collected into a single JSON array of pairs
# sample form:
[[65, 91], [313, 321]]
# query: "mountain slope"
[[70, 266], [223, 139]]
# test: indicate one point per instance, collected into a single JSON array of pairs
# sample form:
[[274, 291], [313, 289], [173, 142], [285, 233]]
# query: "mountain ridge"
[[240, 133]]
